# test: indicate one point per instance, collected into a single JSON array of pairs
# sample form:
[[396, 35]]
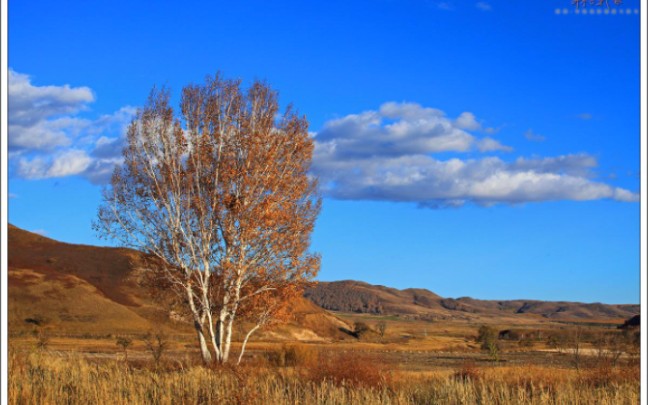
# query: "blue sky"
[[474, 148]]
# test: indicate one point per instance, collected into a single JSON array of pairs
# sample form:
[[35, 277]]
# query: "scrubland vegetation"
[[292, 373]]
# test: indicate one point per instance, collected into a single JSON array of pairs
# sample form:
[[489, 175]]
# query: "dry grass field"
[[414, 362], [78, 325], [94, 371]]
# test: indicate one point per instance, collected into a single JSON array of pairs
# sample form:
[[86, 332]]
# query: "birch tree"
[[220, 195]]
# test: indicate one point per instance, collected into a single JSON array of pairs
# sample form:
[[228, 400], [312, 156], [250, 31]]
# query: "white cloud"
[[482, 5], [48, 139], [40, 116], [31, 103], [389, 155], [100, 170], [43, 135], [490, 144], [585, 116], [432, 182], [467, 120], [397, 129], [580, 164], [67, 163], [625, 195]]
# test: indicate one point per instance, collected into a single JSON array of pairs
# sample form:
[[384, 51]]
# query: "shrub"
[[156, 344], [360, 328], [294, 355], [493, 350], [349, 369], [487, 336], [603, 375], [124, 342]]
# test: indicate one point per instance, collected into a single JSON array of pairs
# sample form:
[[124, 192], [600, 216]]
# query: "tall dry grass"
[[48, 378]]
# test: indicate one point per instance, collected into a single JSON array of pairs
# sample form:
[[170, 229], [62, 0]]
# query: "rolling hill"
[[359, 297], [79, 289]]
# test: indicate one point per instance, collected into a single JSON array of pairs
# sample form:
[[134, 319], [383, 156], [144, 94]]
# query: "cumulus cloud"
[[48, 139], [486, 181], [468, 121], [67, 163], [40, 116], [580, 164], [389, 155], [400, 129], [490, 144]]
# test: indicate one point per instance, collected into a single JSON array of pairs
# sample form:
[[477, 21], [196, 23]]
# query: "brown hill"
[[354, 296], [360, 297], [78, 289], [86, 289]]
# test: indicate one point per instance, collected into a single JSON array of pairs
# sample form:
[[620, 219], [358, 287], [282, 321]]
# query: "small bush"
[[124, 342], [156, 344], [349, 369], [294, 355], [360, 328], [603, 375], [487, 336]]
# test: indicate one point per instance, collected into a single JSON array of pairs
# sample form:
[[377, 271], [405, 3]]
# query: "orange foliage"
[[221, 195], [350, 369]]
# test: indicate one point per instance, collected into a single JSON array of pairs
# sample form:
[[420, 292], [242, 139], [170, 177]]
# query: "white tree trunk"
[[213, 337], [204, 350], [228, 338], [198, 325], [245, 342]]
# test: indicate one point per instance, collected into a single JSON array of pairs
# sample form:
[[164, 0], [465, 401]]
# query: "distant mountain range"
[[81, 289], [359, 297]]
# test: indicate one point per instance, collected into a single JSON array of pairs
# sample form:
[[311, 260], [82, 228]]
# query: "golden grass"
[[47, 378]]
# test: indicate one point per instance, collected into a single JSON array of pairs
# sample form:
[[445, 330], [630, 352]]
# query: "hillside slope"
[[359, 297], [78, 289]]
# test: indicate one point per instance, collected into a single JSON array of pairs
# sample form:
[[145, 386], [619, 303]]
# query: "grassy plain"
[[414, 362]]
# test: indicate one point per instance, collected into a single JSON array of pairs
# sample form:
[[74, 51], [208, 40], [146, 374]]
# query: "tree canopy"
[[221, 196]]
